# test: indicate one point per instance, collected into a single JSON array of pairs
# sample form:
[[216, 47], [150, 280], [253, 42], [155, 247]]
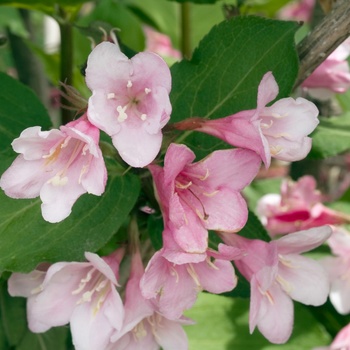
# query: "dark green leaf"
[[19, 109], [254, 229], [155, 228], [223, 76], [26, 239], [197, 1], [331, 137]]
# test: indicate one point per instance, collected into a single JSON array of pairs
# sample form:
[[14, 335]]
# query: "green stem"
[[66, 67], [186, 29]]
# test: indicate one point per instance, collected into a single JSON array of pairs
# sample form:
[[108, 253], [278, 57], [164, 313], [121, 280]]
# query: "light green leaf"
[[26, 239], [222, 323], [331, 137]]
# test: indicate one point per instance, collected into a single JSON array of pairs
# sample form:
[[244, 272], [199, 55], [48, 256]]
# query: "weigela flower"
[[338, 268], [143, 327], [82, 293], [130, 100], [57, 165], [277, 274], [298, 207], [196, 197], [331, 76], [173, 286], [300, 10], [278, 131]]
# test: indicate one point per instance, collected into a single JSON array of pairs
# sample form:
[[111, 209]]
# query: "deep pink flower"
[[196, 197], [57, 165], [298, 207], [160, 43], [300, 10], [82, 293], [130, 100], [338, 268], [144, 328], [331, 76], [278, 131], [277, 274]]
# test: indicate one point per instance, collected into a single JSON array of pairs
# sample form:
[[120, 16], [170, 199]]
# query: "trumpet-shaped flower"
[[278, 274], [338, 268], [196, 197], [83, 294], [130, 100], [173, 287], [331, 76], [143, 327], [57, 165], [278, 131], [298, 207]]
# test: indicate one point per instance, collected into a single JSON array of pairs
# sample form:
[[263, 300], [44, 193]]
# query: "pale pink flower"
[[57, 165], [300, 10], [338, 268], [196, 197], [82, 293], [130, 100], [278, 131], [331, 76], [173, 287], [160, 43], [144, 328], [277, 274], [298, 207]]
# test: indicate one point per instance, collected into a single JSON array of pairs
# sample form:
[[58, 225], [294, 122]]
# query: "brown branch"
[[323, 40]]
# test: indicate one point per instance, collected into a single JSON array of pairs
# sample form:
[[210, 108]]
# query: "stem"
[[323, 40], [66, 76], [186, 30]]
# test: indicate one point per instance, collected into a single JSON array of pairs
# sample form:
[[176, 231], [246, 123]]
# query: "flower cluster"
[[130, 103]]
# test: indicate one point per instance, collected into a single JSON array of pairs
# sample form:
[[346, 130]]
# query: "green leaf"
[[227, 327], [254, 229], [331, 137], [155, 228], [223, 76], [26, 239], [19, 109]]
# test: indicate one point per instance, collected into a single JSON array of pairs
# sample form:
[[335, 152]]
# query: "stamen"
[[205, 216], [183, 186], [212, 194], [139, 331], [66, 141], [211, 264], [194, 275], [286, 286], [174, 273], [110, 96], [265, 125], [129, 84], [58, 181], [279, 116], [276, 149], [143, 116], [267, 294], [85, 148], [122, 115], [147, 91], [286, 262]]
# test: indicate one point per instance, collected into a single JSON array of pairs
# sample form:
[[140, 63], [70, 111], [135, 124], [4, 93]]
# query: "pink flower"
[[83, 294], [340, 342], [278, 131], [331, 76], [298, 207], [278, 274], [143, 327], [57, 165], [160, 43], [173, 286], [130, 100], [196, 197], [300, 10], [339, 270]]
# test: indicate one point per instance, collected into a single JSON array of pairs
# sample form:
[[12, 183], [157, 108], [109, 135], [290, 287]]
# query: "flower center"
[[74, 149], [132, 105], [94, 288]]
